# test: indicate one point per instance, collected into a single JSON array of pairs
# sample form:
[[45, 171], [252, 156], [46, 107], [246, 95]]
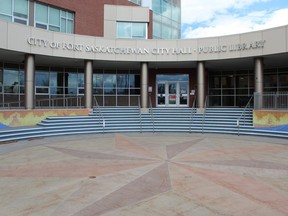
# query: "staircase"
[[129, 119]]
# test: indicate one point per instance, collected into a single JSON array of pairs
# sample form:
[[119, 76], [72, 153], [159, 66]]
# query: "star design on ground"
[[132, 175]]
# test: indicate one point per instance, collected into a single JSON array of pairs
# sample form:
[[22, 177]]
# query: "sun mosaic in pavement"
[[147, 174]]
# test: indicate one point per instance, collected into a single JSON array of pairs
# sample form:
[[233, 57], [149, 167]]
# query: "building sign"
[[144, 51]]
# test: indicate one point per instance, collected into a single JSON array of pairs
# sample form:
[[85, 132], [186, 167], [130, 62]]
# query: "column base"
[[144, 110], [200, 110]]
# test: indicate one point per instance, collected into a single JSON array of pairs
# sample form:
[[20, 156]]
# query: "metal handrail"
[[66, 101], [193, 108], [243, 114], [2, 105], [204, 114], [140, 114], [152, 113], [100, 113]]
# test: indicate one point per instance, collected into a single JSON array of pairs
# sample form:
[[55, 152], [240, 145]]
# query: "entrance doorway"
[[172, 90]]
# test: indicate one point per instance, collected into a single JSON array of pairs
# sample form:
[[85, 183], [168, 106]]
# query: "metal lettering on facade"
[[144, 51]]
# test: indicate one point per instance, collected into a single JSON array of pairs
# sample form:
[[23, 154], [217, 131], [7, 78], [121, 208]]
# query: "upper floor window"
[[136, 1], [53, 19], [132, 30], [14, 10]]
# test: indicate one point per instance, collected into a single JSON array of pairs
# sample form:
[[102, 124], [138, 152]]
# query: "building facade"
[[112, 63]]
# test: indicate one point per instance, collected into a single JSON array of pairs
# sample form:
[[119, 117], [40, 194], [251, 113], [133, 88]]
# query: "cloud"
[[227, 17], [199, 11]]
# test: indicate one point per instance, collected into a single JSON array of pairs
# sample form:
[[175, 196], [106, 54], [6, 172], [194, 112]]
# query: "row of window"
[[104, 82], [276, 79], [45, 17]]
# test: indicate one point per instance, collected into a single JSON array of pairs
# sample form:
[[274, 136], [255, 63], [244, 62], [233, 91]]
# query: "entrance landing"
[[145, 174]]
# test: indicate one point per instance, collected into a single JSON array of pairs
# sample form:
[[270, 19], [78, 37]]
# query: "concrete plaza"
[[145, 174]]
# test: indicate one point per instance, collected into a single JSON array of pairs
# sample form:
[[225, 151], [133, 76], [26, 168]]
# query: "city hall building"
[[116, 53]]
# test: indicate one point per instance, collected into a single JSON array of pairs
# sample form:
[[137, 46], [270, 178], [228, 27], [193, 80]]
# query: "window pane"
[[11, 80], [41, 13], [42, 78], [70, 27], [167, 9], [134, 80], [63, 25], [54, 28], [176, 13], [72, 80], [166, 32], [139, 30], [4, 17], [81, 80], [54, 16], [98, 80], [20, 21], [123, 30], [70, 15], [157, 29], [6, 7], [21, 8], [109, 80], [156, 6], [53, 79], [122, 81], [38, 25]]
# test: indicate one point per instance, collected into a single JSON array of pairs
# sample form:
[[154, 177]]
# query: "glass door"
[[161, 96], [184, 92], [172, 93]]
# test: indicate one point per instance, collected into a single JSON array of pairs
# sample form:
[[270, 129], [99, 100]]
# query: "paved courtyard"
[[145, 174]]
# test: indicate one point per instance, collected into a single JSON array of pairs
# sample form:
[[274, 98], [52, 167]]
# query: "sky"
[[207, 18]]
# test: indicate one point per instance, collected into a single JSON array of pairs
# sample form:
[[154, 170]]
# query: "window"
[[166, 19], [53, 19], [14, 10], [136, 1], [131, 30]]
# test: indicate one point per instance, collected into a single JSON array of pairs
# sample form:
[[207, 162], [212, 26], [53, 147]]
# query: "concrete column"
[[144, 86], [201, 85], [88, 84], [29, 81], [259, 82]]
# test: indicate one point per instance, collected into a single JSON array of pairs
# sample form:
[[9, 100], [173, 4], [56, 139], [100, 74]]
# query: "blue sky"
[[207, 18]]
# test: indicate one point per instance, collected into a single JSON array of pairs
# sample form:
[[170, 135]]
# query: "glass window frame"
[[65, 18], [15, 16], [130, 32]]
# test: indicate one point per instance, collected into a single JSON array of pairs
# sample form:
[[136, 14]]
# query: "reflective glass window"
[[156, 7], [98, 80], [167, 17], [53, 19], [14, 10], [167, 9], [109, 80], [124, 30], [42, 78], [80, 79], [6, 7], [11, 80], [138, 30], [131, 30], [41, 13], [122, 81], [21, 8]]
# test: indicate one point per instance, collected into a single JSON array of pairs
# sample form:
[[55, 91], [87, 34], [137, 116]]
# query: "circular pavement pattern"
[[145, 174]]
